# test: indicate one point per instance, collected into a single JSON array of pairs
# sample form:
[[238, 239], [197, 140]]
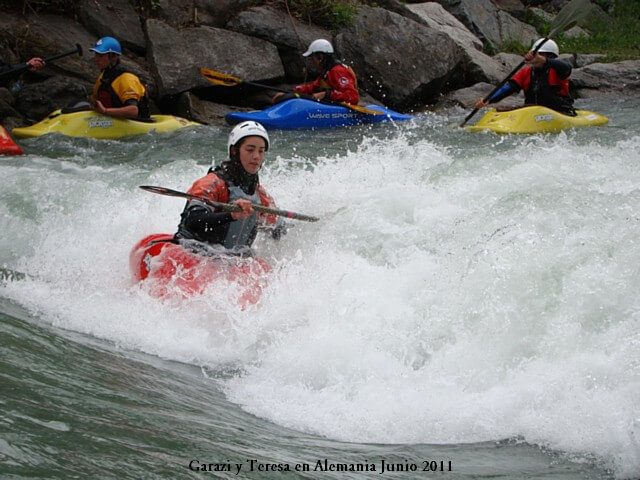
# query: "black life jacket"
[[109, 98], [541, 92]]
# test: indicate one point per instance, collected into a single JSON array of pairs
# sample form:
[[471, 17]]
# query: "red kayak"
[[7, 145], [172, 269]]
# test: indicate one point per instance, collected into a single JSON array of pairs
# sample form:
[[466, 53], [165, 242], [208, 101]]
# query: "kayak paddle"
[[229, 207], [23, 67], [572, 12], [225, 80]]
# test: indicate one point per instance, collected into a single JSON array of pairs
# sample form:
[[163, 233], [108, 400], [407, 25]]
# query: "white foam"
[[445, 297]]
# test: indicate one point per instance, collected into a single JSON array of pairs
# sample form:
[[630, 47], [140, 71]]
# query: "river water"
[[467, 304]]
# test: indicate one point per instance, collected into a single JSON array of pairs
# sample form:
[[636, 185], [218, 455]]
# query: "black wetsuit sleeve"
[[562, 68], [203, 224]]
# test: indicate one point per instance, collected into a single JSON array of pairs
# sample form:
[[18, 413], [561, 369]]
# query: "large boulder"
[[190, 106], [115, 18], [37, 100], [478, 67], [493, 25], [584, 59], [289, 35], [618, 76], [175, 56], [277, 27], [467, 97], [216, 13], [435, 16], [176, 14], [46, 35], [7, 101], [512, 7], [399, 61]]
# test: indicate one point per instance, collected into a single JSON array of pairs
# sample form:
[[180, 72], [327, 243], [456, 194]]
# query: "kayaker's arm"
[[130, 110], [562, 68], [507, 89], [205, 224]]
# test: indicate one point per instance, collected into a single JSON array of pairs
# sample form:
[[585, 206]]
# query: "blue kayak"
[[300, 113]]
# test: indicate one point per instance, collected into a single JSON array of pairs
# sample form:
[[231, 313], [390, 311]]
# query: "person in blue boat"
[[544, 80], [336, 83], [117, 91], [236, 181]]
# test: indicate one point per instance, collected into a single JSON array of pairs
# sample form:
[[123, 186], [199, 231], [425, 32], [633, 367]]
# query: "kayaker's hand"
[[480, 103], [320, 95], [100, 108], [247, 209], [36, 63], [535, 60], [275, 98]]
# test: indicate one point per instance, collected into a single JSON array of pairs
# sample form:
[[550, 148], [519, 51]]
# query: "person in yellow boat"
[[544, 80], [336, 83], [117, 91]]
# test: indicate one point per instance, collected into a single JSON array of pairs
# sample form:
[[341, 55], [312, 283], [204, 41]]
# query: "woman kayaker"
[[117, 91], [234, 181], [545, 80], [336, 82]]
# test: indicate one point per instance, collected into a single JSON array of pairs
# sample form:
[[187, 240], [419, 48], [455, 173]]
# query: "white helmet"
[[247, 129], [319, 46], [548, 47]]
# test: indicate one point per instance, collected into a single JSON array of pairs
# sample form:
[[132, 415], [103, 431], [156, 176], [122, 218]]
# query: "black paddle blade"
[[573, 12], [164, 191]]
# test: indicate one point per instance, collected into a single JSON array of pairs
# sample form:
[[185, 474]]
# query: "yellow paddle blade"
[[219, 78], [358, 108]]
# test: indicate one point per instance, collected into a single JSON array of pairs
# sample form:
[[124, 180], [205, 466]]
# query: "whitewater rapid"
[[450, 293]]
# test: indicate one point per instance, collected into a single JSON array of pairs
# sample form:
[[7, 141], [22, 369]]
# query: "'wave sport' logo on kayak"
[[318, 116], [544, 118], [100, 123]]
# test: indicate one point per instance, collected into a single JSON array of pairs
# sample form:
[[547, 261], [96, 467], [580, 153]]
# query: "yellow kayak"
[[535, 119], [88, 123]]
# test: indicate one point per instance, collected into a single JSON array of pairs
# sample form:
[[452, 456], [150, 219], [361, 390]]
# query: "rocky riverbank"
[[407, 56]]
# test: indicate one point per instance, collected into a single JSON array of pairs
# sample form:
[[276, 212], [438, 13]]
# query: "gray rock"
[[512, 29], [6, 97], [467, 97], [512, 7], [190, 106], [115, 18], [46, 35], [6, 105], [542, 14], [397, 60], [478, 66], [435, 16], [175, 56], [276, 26], [176, 14], [570, 58], [575, 32], [584, 59], [37, 100], [508, 60], [608, 76], [216, 13], [493, 25]]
